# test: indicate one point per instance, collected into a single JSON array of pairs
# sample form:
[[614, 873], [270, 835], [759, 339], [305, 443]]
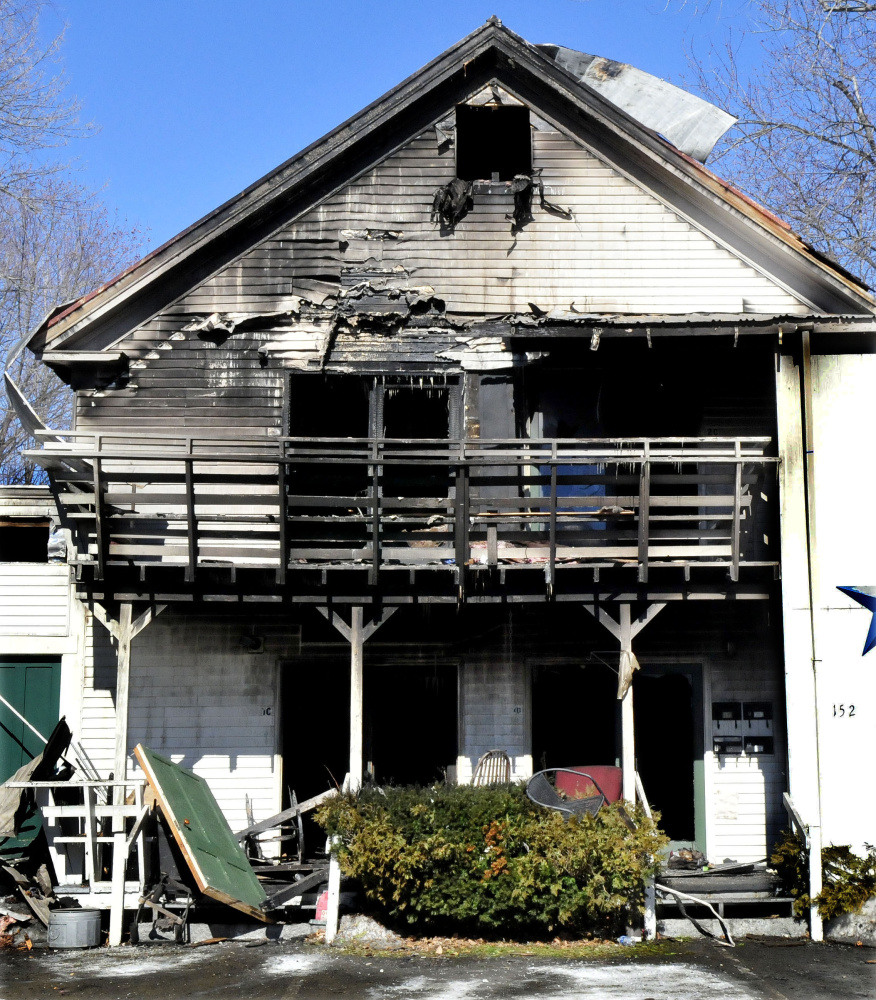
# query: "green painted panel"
[[34, 689], [700, 804], [216, 858]]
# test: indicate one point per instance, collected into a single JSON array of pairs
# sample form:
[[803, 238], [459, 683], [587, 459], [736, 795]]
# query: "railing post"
[[375, 513], [552, 526], [736, 529], [644, 511], [461, 519], [99, 539], [191, 527], [283, 539]]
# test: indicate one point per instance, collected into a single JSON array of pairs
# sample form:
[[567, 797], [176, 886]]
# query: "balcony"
[[468, 509]]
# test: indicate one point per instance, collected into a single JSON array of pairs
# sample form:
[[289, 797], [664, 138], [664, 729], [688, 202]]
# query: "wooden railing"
[[383, 504]]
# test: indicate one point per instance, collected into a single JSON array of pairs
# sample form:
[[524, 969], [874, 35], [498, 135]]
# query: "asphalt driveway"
[[671, 971]]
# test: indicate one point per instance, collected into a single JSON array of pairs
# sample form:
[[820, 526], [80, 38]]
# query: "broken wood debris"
[[287, 814]]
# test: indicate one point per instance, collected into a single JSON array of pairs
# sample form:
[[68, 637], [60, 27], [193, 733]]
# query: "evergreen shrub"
[[848, 880], [488, 860]]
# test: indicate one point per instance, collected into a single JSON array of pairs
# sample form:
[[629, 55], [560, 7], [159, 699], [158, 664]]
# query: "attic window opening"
[[492, 140]]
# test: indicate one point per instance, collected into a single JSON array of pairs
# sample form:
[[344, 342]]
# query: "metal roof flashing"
[[687, 121]]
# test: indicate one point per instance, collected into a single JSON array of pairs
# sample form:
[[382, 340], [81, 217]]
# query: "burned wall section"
[[367, 281]]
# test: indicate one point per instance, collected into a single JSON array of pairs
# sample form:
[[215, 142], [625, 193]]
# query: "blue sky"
[[196, 99]]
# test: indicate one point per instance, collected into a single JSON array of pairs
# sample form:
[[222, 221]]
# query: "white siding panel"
[[33, 599], [199, 699], [98, 718], [745, 812], [845, 410]]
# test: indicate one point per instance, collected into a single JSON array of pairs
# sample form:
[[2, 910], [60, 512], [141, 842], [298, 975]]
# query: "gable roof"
[[490, 53]]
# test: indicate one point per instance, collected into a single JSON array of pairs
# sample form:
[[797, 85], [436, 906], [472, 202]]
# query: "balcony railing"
[[382, 504]]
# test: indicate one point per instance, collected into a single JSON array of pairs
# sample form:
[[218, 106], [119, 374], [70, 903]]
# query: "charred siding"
[[623, 252], [367, 280]]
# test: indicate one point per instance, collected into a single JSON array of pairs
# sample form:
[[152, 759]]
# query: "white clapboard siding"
[[746, 797], [199, 699], [97, 726], [745, 811], [624, 251], [34, 600]]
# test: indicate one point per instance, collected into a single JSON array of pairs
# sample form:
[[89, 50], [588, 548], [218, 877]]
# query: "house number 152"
[[841, 710]]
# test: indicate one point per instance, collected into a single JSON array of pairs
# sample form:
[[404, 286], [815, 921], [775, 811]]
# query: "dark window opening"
[[492, 141], [410, 721], [416, 413], [413, 412], [24, 542], [668, 737], [328, 406], [573, 716]]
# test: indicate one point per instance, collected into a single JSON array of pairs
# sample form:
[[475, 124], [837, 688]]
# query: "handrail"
[[548, 452], [796, 819]]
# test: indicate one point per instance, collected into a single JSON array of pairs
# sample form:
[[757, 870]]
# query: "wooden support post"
[[117, 897], [136, 836], [625, 629], [800, 589], [650, 910], [123, 678], [90, 861], [334, 896], [552, 524], [357, 690], [357, 634], [628, 740]]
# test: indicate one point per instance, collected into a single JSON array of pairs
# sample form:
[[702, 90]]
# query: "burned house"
[[488, 421]]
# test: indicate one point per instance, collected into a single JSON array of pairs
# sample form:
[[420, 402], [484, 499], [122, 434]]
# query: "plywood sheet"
[[216, 860]]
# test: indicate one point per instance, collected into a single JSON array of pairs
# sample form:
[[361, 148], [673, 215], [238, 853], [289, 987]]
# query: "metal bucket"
[[74, 928]]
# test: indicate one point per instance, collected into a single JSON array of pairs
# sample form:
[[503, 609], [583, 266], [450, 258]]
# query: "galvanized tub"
[[77, 928]]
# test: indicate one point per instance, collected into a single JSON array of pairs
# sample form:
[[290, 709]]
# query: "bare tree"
[[806, 141], [57, 239]]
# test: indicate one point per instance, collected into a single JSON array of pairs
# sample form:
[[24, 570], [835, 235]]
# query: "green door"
[[32, 687]]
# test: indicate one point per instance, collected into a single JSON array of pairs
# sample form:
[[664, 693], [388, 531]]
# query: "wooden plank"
[[99, 520], [644, 514], [306, 884], [287, 814], [191, 525], [283, 518], [736, 526]]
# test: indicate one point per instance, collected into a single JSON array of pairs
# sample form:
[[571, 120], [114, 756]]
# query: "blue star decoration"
[[867, 601]]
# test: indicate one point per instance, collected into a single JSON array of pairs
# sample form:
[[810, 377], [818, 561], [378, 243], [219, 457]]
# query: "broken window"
[[24, 541], [492, 140]]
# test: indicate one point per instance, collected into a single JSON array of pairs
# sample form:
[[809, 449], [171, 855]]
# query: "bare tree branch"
[[57, 239], [806, 140]]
